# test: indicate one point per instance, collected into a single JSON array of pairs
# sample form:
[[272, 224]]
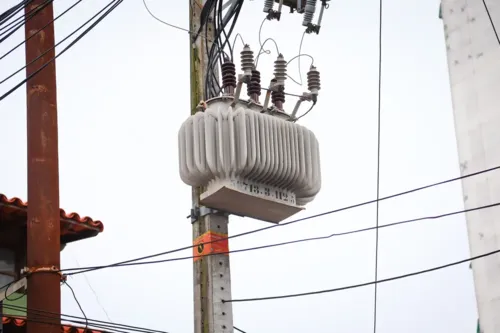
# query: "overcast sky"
[[123, 92]]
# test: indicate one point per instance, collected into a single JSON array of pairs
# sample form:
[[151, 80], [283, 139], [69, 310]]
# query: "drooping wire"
[[377, 207], [164, 22], [267, 51], [301, 82], [43, 28], [234, 43], [79, 305], [345, 208], [399, 277], [238, 329], [113, 4], [302, 240]]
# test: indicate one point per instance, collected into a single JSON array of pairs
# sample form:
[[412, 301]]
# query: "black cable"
[[79, 305], [47, 322], [345, 208], [113, 3], [302, 240], [491, 21], [366, 283], [11, 12], [58, 43], [377, 207], [82, 320], [211, 80], [43, 28], [239, 330], [32, 13]]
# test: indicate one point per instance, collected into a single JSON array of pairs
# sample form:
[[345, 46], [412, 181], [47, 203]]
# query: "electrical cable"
[[345, 208], [11, 12], [58, 43], [256, 62], [43, 28], [300, 51], [95, 293], [238, 329], [399, 277], [113, 3], [166, 23], [377, 205], [32, 13], [300, 74], [302, 240], [92, 322], [79, 305], [307, 112], [491, 21]]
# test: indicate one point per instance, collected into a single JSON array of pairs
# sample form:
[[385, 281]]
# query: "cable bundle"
[[216, 54]]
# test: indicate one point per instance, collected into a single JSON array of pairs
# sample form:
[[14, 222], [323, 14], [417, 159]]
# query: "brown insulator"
[[228, 77], [254, 87], [278, 97]]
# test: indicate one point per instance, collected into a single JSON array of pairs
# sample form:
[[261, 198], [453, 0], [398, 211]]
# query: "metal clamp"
[[201, 211]]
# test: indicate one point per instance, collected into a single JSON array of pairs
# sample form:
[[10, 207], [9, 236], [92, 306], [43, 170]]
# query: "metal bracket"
[[201, 211]]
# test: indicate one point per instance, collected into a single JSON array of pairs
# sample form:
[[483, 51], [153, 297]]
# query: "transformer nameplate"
[[264, 191]]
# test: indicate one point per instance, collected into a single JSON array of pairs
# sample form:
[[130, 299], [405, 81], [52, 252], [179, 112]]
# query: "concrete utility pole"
[[212, 280], [43, 230]]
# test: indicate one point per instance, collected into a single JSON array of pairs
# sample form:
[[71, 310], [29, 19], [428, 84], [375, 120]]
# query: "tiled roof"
[[73, 226], [19, 325]]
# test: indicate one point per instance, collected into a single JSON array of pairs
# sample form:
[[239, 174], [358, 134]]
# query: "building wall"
[[474, 66]]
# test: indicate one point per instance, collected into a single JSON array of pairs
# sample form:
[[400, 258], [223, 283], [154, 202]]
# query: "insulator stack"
[[280, 70], [254, 87], [268, 5], [310, 8], [313, 81], [278, 97], [228, 77], [247, 60]]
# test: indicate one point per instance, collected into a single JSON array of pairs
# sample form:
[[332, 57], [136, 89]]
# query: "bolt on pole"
[[43, 229]]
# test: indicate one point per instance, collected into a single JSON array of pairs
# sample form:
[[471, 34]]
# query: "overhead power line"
[[491, 21], [112, 6], [377, 208], [366, 283], [302, 240], [43, 28], [92, 323], [21, 20], [290, 222]]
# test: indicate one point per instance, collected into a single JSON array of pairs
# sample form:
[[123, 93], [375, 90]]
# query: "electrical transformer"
[[252, 160]]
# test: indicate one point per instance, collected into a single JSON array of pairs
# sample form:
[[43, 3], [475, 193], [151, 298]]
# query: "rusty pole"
[[43, 229]]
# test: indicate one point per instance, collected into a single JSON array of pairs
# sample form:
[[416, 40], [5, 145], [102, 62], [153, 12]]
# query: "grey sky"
[[123, 92]]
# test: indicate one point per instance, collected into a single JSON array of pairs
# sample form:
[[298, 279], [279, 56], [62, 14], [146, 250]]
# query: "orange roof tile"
[[73, 226], [21, 322]]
